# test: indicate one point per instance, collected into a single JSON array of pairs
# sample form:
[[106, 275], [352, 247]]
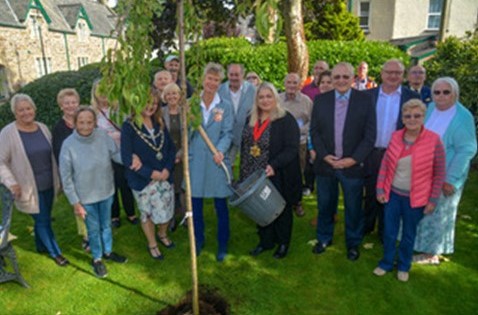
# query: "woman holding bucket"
[[266, 146]]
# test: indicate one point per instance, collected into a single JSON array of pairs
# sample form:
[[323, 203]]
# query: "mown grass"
[[302, 283]]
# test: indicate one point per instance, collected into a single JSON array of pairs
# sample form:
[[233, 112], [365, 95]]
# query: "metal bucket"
[[258, 198]]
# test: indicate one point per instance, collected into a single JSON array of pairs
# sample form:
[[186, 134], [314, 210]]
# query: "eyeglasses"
[[409, 116], [417, 72], [445, 92], [338, 76]]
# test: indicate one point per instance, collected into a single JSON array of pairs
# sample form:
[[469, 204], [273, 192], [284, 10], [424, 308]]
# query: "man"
[[343, 132], [416, 77], [388, 99], [241, 95], [312, 89], [300, 106], [362, 81], [171, 63]]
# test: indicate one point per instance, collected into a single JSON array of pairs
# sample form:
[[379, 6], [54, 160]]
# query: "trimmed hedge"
[[270, 61]]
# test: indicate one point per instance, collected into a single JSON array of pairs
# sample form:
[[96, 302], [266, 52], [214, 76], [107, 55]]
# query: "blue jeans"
[[98, 224], [222, 213], [327, 201], [398, 207], [44, 237]]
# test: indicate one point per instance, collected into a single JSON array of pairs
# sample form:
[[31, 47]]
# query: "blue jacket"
[[459, 141], [246, 101], [208, 179], [131, 143]]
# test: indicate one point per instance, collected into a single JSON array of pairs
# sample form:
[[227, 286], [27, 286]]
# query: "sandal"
[[165, 241], [153, 250]]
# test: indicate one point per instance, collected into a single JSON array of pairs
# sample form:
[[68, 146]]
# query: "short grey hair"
[[347, 65], [394, 60], [214, 68], [240, 65], [20, 97], [455, 88], [156, 75]]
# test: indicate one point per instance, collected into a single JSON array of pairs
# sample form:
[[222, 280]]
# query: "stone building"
[[38, 37]]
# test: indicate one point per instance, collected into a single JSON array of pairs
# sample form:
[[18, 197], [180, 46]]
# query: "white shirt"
[[207, 112], [235, 98], [388, 110], [440, 119]]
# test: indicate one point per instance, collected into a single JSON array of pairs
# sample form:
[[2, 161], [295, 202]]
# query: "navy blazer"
[[407, 95], [359, 131]]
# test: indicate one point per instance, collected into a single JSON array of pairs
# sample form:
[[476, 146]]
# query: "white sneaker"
[[402, 276], [379, 272], [306, 192]]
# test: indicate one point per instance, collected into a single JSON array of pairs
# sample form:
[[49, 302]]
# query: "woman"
[[28, 168], [208, 179], [455, 125], [265, 145], [104, 112], [88, 183], [152, 182], [171, 114], [161, 79], [325, 82], [253, 78], [68, 100], [409, 183]]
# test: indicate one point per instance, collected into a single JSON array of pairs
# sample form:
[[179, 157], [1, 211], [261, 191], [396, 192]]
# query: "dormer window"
[[82, 30]]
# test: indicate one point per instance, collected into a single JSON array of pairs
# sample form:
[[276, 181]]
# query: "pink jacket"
[[428, 167]]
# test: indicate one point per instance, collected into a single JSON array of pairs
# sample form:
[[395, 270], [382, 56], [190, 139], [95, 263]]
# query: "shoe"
[[133, 221], [221, 255], [115, 223], [85, 244], [258, 250], [115, 257], [353, 253], [61, 261], [299, 211], [306, 192], [320, 247], [165, 241], [402, 276], [423, 259], [281, 251], [99, 268], [379, 272], [155, 250]]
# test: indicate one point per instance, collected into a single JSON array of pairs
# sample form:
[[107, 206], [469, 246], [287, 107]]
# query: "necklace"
[[257, 132], [153, 137]]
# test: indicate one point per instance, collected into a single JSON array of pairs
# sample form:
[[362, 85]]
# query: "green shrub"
[[270, 61], [44, 91]]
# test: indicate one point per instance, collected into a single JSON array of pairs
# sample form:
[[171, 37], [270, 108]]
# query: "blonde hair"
[[214, 68], [412, 104], [171, 87], [20, 97], [67, 92], [277, 113]]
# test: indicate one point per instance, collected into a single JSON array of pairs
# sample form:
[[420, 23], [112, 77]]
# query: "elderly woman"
[[172, 118], [68, 100], [454, 123], [409, 183], [28, 168], [89, 184], [208, 179], [266, 145], [104, 112], [152, 182], [161, 79]]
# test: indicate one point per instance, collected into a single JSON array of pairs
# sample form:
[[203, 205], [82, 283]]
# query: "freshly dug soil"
[[210, 303]]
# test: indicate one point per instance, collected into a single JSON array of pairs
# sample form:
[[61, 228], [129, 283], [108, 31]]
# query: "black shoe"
[[281, 251], [320, 247], [115, 223], [153, 250], [115, 257], [99, 268], [353, 253], [133, 221], [61, 261], [258, 250]]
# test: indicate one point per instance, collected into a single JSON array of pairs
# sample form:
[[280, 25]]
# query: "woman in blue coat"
[[208, 179]]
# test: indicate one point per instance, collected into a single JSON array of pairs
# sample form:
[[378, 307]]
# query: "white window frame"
[[365, 27], [82, 61], [40, 67], [4, 92], [434, 14]]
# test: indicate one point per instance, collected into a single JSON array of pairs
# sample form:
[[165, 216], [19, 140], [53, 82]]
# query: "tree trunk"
[[297, 53], [272, 17]]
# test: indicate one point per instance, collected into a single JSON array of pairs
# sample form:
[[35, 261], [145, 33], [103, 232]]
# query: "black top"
[[60, 132]]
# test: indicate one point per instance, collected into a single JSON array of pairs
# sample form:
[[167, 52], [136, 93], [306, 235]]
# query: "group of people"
[[408, 148]]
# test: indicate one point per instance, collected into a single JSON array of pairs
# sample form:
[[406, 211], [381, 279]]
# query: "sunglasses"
[[409, 116], [338, 76], [445, 92]]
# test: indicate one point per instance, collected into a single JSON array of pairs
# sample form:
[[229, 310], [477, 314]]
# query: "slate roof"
[[62, 13]]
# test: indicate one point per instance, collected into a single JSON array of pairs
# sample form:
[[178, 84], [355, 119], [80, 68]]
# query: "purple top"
[[311, 90], [341, 106]]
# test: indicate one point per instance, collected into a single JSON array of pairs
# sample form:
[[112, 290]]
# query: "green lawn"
[[302, 283]]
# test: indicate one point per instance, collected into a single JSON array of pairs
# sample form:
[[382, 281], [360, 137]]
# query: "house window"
[[434, 14], [82, 31], [35, 25], [364, 14], [40, 66], [3, 83], [82, 61]]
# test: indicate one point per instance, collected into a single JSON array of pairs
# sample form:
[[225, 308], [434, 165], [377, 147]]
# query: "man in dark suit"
[[388, 99], [343, 131], [416, 76]]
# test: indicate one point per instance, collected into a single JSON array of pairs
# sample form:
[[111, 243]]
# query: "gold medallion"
[[255, 151]]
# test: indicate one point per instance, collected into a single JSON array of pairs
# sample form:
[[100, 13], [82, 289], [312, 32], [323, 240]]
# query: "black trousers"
[[121, 186], [373, 209], [279, 231], [309, 175]]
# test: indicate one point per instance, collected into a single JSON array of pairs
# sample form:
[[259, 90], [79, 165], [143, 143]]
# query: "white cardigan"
[[15, 168]]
